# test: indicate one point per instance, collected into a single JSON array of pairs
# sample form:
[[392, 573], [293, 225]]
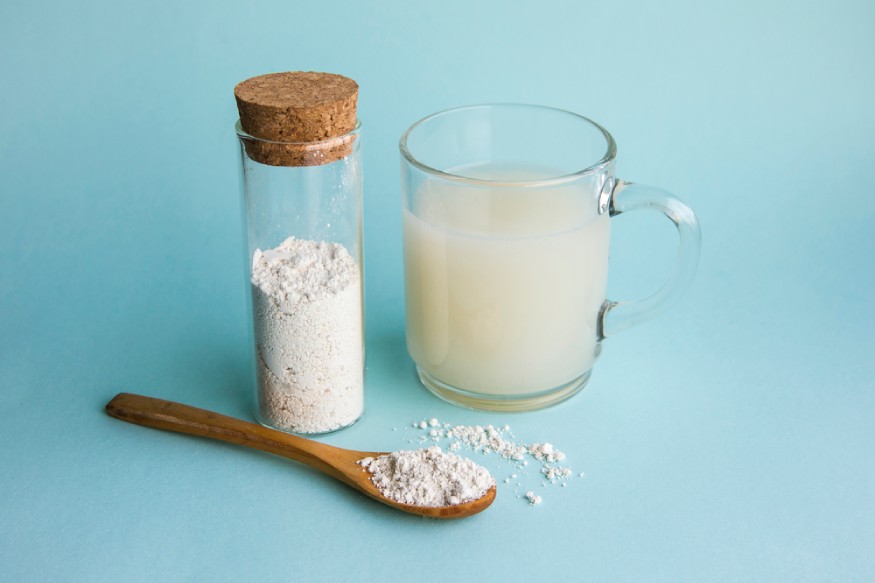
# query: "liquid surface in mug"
[[504, 283]]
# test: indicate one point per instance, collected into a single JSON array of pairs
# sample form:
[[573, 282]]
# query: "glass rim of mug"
[[241, 134], [608, 157]]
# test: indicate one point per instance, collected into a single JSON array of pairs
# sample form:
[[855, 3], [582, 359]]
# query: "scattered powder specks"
[[555, 473], [428, 477], [545, 452], [488, 439], [499, 440]]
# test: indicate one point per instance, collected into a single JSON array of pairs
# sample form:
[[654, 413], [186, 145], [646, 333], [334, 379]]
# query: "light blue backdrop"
[[730, 440]]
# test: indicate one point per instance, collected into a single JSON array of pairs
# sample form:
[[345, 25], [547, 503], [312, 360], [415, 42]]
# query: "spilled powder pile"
[[428, 477], [500, 441]]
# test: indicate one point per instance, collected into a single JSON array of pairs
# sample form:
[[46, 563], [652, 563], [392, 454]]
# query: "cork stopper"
[[304, 118]]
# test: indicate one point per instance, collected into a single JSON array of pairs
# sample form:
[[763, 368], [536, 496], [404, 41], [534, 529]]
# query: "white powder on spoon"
[[428, 477]]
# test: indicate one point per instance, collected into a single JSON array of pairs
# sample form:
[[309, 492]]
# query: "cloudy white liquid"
[[504, 285]]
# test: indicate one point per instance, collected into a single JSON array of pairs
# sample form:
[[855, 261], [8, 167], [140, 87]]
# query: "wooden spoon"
[[334, 461]]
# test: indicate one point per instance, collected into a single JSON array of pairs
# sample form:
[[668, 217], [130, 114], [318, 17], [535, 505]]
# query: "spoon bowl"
[[336, 462]]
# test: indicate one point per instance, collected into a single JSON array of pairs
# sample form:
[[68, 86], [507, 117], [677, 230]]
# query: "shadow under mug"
[[507, 221]]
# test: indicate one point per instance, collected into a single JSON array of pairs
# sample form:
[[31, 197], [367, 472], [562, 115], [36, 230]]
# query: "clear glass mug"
[[507, 222]]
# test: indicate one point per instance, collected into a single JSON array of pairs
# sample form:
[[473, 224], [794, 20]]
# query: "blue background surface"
[[732, 439]]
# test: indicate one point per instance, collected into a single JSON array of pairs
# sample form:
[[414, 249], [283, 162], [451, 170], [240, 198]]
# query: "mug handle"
[[616, 316]]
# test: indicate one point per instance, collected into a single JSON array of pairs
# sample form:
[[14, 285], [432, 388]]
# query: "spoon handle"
[[171, 416]]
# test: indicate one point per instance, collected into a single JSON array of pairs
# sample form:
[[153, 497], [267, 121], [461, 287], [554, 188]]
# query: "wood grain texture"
[[297, 118], [334, 461]]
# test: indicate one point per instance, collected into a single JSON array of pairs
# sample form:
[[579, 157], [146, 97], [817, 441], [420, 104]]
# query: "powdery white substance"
[[490, 439], [487, 439], [428, 477], [544, 452], [306, 300], [300, 270], [555, 473]]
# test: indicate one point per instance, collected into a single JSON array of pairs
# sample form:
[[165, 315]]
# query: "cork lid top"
[[296, 89], [294, 108]]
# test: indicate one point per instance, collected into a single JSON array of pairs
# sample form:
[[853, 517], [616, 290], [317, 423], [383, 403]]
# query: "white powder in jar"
[[306, 300], [428, 477]]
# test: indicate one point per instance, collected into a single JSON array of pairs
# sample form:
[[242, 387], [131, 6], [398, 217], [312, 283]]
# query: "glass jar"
[[303, 222]]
